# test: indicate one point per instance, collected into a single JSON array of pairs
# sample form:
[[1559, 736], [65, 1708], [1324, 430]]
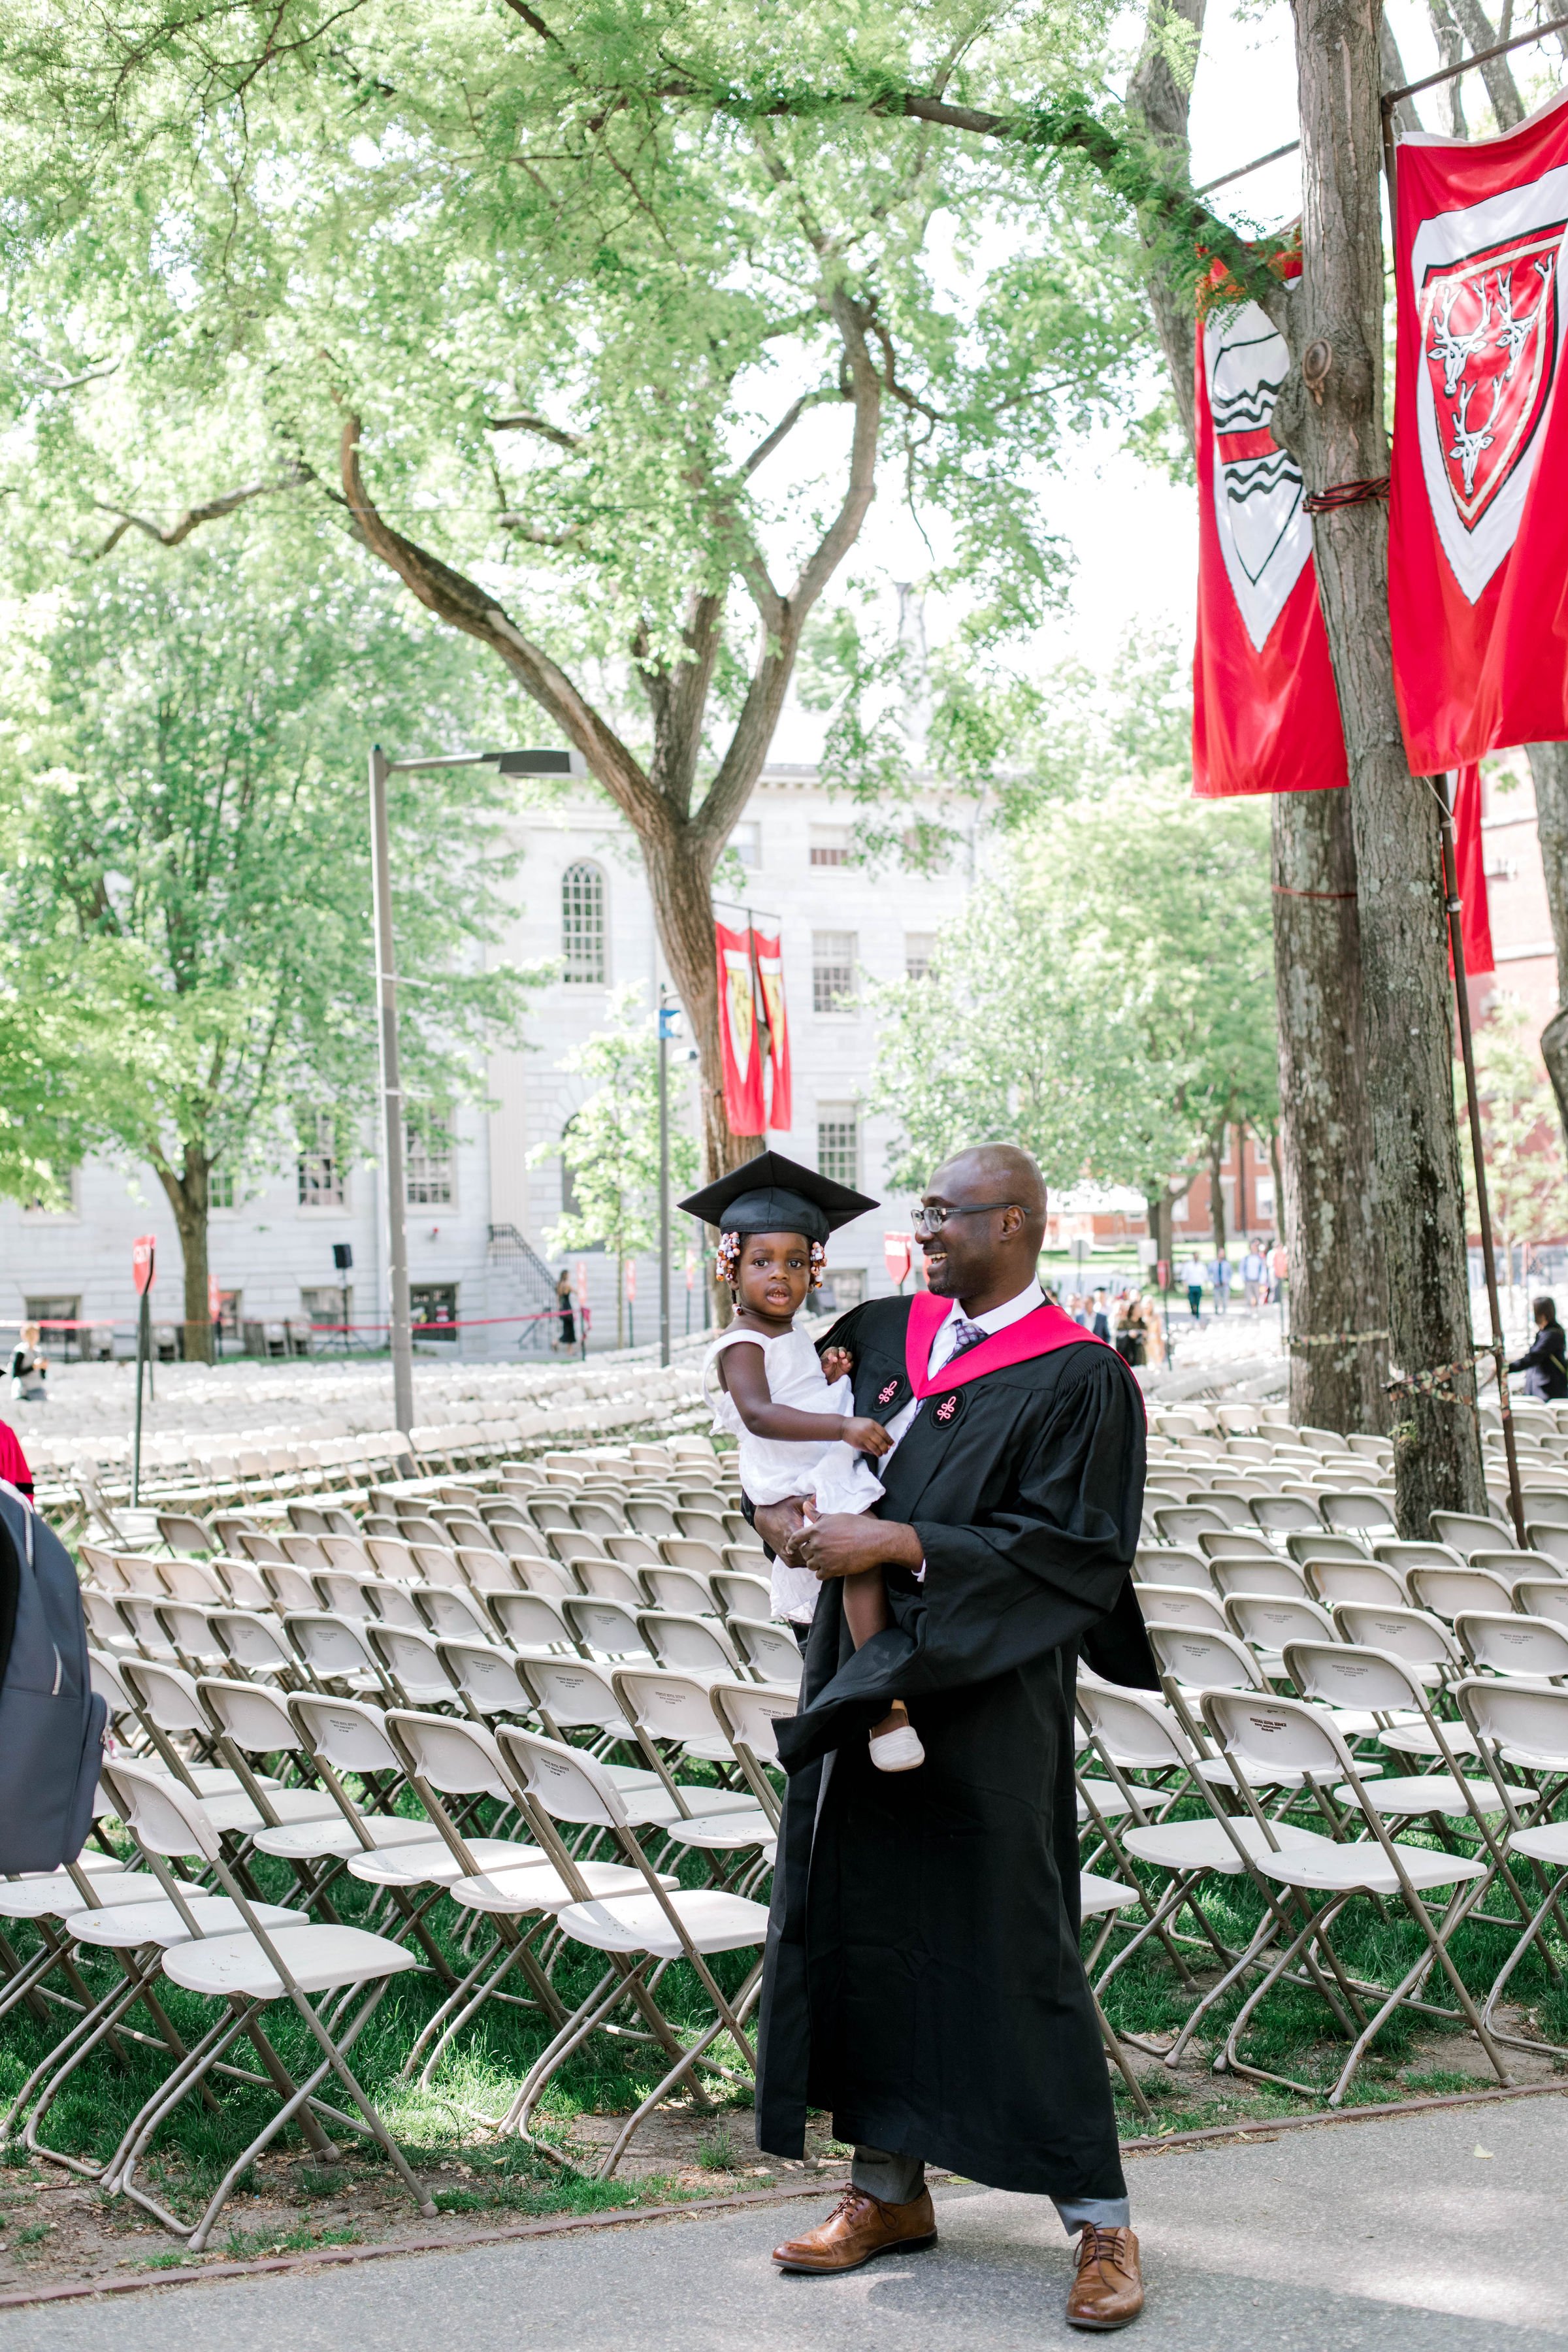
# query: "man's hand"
[[845, 1542], [780, 1525]]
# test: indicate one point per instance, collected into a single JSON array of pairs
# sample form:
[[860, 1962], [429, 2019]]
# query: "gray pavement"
[[1400, 2236]]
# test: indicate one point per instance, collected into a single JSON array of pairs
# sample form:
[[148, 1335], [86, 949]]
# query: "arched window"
[[583, 925]]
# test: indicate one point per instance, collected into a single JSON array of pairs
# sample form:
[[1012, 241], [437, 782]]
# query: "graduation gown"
[[923, 1979]]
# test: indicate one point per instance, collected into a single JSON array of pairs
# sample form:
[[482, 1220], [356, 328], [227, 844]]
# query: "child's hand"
[[837, 1364], [866, 1437]]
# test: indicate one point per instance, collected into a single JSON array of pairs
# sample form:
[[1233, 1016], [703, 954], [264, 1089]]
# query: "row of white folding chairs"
[[1264, 1742], [1532, 1585], [1250, 1651], [330, 1570], [389, 1634]]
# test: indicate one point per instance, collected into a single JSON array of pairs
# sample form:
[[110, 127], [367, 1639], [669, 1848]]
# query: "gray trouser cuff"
[[1105, 2212], [898, 2179]]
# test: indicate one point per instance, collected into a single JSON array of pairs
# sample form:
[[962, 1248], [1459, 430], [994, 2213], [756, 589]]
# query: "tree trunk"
[[1324, 1203], [187, 1195], [1549, 768], [683, 909], [1216, 1195], [1341, 438], [1159, 98]]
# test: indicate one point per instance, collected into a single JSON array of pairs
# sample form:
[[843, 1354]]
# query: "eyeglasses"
[[927, 1222]]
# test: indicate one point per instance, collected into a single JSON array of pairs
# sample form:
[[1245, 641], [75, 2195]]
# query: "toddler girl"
[[799, 1433]]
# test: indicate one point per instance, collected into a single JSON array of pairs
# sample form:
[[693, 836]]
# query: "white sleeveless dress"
[[773, 1469]]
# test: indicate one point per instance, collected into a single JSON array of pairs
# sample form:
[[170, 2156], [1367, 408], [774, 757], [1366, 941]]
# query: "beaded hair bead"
[[727, 1256], [818, 1263]]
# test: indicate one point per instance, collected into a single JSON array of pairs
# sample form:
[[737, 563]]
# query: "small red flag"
[[1469, 863]]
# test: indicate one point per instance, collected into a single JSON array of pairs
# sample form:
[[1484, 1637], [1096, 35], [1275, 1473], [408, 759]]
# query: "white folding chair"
[[1465, 1532], [1524, 1728], [1134, 1732], [1446, 1592], [697, 1646], [1267, 1620], [605, 1628], [1422, 1640], [1504, 1643], [1262, 1737], [1175, 1604], [1099, 1898], [247, 1973], [1334, 1581], [677, 1708], [769, 1649], [1250, 1574], [638, 1932]]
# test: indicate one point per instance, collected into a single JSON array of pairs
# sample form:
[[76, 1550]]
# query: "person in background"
[[29, 1369], [1278, 1267], [1129, 1340], [1254, 1275], [1192, 1275], [566, 1334], [14, 1468], [1219, 1274], [1545, 1361], [1099, 1318]]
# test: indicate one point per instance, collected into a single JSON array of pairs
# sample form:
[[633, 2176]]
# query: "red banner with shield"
[[1266, 718], [744, 1104], [775, 1016], [1479, 520]]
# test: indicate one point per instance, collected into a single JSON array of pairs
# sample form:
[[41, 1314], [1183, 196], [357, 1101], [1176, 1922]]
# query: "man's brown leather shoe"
[[859, 2226], [1108, 2288]]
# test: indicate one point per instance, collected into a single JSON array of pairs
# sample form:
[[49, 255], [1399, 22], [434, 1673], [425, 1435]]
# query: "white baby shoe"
[[898, 1750]]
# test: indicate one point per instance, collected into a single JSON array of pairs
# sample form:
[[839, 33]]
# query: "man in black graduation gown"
[[923, 1980]]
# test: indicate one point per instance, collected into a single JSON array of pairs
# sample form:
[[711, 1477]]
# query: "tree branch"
[[534, 20], [525, 422], [463, 604], [787, 425], [210, 510]]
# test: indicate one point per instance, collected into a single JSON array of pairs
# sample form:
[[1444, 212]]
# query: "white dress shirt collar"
[[995, 1319]]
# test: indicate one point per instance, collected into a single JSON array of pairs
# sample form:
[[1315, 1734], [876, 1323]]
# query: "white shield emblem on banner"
[[1491, 334], [738, 1006], [1263, 535]]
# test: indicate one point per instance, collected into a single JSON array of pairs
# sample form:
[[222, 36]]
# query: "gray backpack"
[[52, 1718]]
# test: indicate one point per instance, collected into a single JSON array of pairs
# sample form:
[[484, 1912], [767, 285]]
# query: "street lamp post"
[[668, 1014], [511, 763]]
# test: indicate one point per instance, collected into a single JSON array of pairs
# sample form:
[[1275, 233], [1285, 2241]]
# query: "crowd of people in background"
[[1262, 1273]]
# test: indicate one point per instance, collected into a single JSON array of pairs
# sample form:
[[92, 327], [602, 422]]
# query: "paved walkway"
[[1395, 2237]]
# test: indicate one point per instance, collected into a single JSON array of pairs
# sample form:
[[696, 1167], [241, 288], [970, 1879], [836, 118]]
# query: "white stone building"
[[479, 1215]]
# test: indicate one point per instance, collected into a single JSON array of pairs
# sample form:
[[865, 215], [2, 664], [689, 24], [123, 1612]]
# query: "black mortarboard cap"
[[772, 1195]]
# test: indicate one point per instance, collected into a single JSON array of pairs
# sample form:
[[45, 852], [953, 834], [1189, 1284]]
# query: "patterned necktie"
[[966, 1335]]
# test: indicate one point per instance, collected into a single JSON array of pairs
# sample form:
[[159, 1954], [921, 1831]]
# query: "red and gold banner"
[[743, 1105], [1266, 718], [770, 981], [1479, 518]]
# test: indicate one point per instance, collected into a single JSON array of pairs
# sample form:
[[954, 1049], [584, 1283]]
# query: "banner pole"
[[1472, 1104], [142, 1335]]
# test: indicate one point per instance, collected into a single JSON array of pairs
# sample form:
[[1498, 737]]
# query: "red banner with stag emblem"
[[738, 1030], [1266, 718], [1479, 524]]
